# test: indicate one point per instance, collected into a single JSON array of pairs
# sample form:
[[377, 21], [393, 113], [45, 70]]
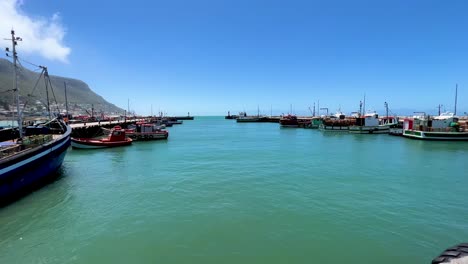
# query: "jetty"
[[93, 129], [104, 123]]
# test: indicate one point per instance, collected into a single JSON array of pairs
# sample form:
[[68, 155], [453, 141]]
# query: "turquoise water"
[[5, 123], [222, 192]]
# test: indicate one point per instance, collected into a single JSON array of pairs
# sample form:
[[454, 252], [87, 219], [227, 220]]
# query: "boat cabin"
[[371, 119], [116, 134], [437, 124]]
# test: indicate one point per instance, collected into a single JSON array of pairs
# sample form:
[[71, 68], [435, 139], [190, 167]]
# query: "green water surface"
[[222, 192]]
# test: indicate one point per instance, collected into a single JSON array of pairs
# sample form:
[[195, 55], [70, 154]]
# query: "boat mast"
[[313, 114], [47, 89], [386, 110], [456, 93], [14, 41], [360, 108], [318, 107], [66, 99], [364, 106]]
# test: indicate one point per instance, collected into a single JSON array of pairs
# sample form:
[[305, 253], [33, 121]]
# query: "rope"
[[52, 89], [28, 62], [35, 86]]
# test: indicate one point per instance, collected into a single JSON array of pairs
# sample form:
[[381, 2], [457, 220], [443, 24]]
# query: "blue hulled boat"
[[33, 154]]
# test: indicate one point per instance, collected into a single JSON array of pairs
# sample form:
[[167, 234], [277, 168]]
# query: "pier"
[[93, 129]]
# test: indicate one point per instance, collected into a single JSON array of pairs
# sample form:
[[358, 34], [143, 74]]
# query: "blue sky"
[[207, 57]]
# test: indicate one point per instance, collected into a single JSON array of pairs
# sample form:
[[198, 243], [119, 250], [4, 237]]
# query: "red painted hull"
[[87, 143]]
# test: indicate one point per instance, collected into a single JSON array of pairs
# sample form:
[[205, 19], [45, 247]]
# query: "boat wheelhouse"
[[446, 127]]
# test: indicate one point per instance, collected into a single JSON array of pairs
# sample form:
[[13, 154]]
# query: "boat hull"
[[443, 136], [148, 136], [334, 128], [184, 117], [247, 120], [396, 131], [369, 129], [32, 168], [97, 144]]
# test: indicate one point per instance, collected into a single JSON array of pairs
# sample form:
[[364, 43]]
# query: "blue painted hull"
[[32, 170]]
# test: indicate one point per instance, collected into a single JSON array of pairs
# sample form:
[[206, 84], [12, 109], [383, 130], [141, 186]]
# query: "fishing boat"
[[146, 131], [289, 121], [244, 118], [337, 123], [33, 155], [315, 122], [370, 123], [117, 138], [446, 127], [397, 128]]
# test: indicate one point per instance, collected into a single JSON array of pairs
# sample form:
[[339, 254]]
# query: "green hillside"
[[78, 92]]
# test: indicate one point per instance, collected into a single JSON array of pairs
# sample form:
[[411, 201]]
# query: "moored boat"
[[33, 155], [246, 119], [146, 131], [116, 138], [337, 123], [289, 121], [445, 127], [371, 124], [315, 122]]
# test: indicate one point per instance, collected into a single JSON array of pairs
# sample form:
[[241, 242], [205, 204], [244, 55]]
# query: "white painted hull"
[[445, 136], [396, 131], [85, 146], [334, 128], [369, 130]]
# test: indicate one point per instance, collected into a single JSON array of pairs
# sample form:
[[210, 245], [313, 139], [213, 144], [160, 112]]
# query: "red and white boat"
[[146, 131], [116, 138]]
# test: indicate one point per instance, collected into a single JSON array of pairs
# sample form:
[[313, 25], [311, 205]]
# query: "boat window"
[[116, 133]]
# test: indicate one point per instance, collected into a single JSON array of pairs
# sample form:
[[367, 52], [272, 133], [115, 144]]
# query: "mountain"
[[79, 94]]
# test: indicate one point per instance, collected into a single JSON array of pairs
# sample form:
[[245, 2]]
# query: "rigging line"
[[29, 62], [7, 91], [53, 93], [22, 68], [34, 88]]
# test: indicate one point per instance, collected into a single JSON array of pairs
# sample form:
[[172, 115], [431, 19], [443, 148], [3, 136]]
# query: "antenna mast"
[[66, 99], [456, 93], [46, 75], [364, 106], [318, 107], [386, 109], [14, 42], [360, 108]]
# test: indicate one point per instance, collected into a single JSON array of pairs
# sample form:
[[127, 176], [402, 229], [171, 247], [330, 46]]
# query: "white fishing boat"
[[446, 127]]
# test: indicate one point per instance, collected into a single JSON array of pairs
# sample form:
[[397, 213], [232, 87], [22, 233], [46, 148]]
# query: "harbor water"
[[218, 191]]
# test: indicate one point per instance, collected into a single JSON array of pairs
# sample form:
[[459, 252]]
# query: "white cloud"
[[43, 36]]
